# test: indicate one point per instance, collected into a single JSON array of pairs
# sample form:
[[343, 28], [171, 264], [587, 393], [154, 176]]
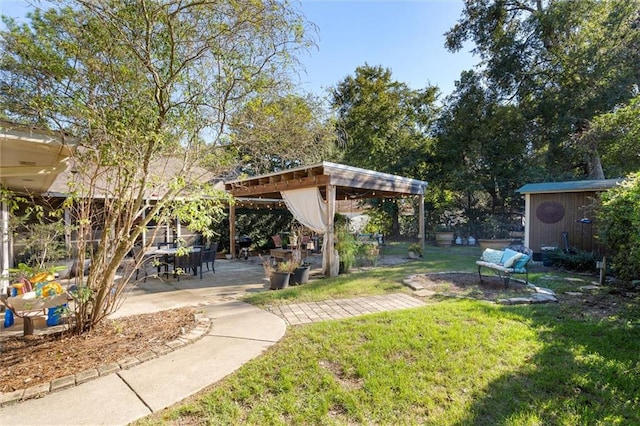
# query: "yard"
[[460, 360]]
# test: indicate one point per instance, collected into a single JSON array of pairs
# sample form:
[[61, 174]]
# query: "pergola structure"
[[30, 161], [334, 182]]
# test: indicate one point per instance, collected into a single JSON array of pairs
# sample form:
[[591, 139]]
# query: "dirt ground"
[[32, 360], [599, 303]]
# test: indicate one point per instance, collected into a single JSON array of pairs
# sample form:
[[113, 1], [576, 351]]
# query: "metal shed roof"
[[569, 186]]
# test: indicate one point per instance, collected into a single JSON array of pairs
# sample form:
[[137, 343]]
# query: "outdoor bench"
[[512, 260]]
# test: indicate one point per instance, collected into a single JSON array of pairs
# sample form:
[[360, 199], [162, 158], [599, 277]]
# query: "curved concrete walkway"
[[238, 332]]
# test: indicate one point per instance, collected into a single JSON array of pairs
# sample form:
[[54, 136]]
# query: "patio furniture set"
[[169, 259]]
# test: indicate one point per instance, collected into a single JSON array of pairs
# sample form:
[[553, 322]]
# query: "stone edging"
[[203, 325]]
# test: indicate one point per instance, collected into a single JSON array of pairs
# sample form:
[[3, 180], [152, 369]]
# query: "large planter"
[[279, 280], [444, 239], [300, 275], [494, 243]]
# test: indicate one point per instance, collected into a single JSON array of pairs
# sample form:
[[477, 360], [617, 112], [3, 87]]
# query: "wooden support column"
[[421, 219], [5, 249], [232, 229], [331, 267]]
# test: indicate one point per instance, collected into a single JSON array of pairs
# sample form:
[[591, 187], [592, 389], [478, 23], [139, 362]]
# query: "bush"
[[619, 232], [575, 260]]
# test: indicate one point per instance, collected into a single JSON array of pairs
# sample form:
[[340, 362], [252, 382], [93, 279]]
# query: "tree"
[[481, 151], [147, 87], [384, 124], [562, 63], [617, 133], [275, 134]]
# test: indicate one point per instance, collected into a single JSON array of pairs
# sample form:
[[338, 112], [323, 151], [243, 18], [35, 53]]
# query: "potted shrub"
[[415, 250], [279, 274], [494, 235], [346, 243], [445, 230], [444, 236], [300, 274]]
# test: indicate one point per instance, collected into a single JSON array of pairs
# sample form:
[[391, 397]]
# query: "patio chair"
[[209, 256], [137, 255], [164, 260], [189, 261]]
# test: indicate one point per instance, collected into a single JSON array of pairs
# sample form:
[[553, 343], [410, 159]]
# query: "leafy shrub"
[[619, 232], [574, 260]]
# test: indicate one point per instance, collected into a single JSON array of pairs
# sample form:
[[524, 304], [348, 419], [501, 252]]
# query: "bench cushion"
[[492, 256], [521, 263], [509, 257], [495, 266]]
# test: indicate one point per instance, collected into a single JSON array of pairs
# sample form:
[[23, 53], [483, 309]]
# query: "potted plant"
[[414, 250], [346, 243], [444, 236], [446, 228], [300, 274], [494, 235], [279, 273]]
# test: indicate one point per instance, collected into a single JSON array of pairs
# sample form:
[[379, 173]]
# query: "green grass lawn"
[[452, 362]]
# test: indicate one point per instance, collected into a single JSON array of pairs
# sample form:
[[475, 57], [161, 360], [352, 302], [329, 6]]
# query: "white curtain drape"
[[308, 207]]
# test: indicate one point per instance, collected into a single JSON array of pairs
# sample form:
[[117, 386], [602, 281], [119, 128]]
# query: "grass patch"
[[450, 363]]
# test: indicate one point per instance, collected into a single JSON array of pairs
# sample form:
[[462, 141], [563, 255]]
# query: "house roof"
[[569, 186], [351, 182]]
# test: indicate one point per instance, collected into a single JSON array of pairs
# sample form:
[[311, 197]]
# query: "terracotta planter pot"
[[495, 243], [444, 239]]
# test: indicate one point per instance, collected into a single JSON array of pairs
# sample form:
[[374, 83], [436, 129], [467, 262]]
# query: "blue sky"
[[405, 36]]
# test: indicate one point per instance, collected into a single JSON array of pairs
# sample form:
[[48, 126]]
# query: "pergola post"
[[232, 229], [5, 249], [421, 219], [329, 251]]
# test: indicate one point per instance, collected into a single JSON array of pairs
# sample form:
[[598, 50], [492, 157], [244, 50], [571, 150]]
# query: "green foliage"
[[617, 133], [576, 260], [382, 122], [276, 134], [146, 89], [416, 248], [480, 156], [561, 63], [379, 222], [619, 225], [367, 253], [345, 242], [384, 126]]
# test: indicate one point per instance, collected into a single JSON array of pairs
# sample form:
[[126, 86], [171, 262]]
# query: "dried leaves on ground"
[[32, 360]]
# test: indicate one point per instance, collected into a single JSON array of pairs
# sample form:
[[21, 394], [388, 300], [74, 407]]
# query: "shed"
[[555, 208]]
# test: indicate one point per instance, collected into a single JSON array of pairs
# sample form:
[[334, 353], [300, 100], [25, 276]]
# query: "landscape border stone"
[[203, 325]]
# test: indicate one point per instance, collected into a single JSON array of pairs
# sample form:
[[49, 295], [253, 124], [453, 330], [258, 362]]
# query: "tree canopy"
[[562, 63], [275, 134], [147, 87]]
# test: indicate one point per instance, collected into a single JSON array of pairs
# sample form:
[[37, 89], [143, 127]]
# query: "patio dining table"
[[167, 254]]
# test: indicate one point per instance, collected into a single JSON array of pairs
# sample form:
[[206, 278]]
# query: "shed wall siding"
[[576, 205]]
